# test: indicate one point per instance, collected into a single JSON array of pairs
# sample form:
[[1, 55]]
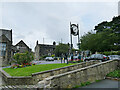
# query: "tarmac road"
[[104, 84]]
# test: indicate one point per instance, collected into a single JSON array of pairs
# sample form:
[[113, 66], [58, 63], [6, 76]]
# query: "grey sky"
[[32, 21]]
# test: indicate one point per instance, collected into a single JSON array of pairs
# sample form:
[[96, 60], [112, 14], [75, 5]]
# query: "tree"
[[22, 58], [61, 49], [106, 36]]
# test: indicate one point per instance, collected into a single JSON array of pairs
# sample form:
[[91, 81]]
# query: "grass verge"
[[82, 84], [114, 74], [27, 71]]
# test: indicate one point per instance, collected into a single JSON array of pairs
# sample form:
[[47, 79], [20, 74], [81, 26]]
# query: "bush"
[[111, 53], [115, 74], [22, 58], [53, 55]]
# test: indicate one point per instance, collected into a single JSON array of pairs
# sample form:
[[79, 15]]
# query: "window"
[[2, 49]]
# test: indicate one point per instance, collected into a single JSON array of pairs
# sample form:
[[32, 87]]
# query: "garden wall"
[[82, 75], [36, 77]]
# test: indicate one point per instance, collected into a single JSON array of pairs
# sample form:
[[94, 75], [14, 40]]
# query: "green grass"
[[98, 80], [27, 71], [82, 84], [115, 74]]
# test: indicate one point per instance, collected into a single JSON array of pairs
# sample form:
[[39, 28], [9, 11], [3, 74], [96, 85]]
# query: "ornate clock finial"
[[37, 42]]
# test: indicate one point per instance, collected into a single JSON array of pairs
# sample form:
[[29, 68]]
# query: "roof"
[[46, 46], [22, 43], [7, 33], [3, 37]]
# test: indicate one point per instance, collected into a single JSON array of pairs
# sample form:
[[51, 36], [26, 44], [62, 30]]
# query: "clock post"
[[74, 30], [79, 57], [71, 54]]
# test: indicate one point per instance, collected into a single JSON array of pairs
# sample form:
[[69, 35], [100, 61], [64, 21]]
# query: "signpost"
[[74, 30]]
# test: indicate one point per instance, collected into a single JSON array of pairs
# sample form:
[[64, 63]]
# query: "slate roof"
[[7, 33]]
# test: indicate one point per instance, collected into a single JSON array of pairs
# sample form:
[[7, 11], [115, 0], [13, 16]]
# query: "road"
[[104, 84]]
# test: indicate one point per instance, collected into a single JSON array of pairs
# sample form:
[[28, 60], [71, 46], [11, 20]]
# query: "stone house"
[[43, 49], [5, 46], [21, 47]]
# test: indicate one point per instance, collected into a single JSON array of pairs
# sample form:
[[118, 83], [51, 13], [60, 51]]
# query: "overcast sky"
[[32, 21]]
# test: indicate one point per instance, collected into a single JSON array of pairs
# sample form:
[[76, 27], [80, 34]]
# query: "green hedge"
[[111, 53]]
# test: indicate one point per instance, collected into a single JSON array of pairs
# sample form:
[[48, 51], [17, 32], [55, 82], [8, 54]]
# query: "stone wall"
[[82, 75], [36, 77], [42, 75], [9, 80]]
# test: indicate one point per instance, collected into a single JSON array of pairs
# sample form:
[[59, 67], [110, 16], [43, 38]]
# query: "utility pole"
[[43, 40], [61, 40]]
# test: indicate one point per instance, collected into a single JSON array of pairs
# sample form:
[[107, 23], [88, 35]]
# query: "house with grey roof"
[[21, 47], [5, 46], [43, 50]]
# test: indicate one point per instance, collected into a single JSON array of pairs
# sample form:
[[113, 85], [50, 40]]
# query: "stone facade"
[[5, 46], [21, 47], [43, 49]]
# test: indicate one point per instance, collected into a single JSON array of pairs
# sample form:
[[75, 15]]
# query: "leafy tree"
[[106, 38], [61, 49], [21, 58]]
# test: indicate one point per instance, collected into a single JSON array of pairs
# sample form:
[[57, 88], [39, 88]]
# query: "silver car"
[[112, 57], [49, 59], [97, 57]]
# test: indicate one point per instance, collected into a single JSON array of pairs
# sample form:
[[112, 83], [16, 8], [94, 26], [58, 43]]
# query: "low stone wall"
[[36, 77], [76, 77], [9, 80], [42, 75]]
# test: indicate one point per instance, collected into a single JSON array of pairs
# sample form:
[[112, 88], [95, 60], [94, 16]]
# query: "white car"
[[49, 59]]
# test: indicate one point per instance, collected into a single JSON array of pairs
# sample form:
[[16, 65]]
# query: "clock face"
[[75, 29]]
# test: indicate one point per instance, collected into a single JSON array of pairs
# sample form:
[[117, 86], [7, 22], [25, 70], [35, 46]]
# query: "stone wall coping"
[[8, 76], [81, 69], [33, 74], [21, 77], [5, 73]]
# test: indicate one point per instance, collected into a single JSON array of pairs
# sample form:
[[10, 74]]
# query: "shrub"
[[110, 53], [53, 55], [22, 58]]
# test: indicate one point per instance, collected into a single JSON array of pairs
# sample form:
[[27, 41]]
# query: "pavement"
[[104, 84], [48, 62]]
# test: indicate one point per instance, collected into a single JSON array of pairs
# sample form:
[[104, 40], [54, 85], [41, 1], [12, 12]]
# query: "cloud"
[[32, 21]]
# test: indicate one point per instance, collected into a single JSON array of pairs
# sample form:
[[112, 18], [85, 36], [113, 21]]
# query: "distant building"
[[21, 47], [119, 8], [5, 46], [43, 49]]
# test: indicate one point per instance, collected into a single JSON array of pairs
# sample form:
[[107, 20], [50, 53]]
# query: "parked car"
[[112, 57], [100, 57], [49, 59], [75, 58]]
